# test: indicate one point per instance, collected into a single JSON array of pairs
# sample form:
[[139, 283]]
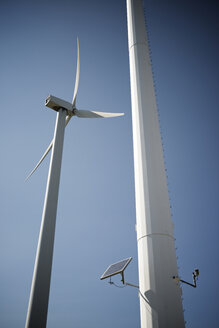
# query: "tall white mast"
[[160, 296]]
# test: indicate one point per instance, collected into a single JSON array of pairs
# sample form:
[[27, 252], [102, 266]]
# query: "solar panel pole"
[[160, 295]]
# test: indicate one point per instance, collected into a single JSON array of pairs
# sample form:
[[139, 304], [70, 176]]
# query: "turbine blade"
[[40, 161], [77, 76], [46, 152], [67, 119], [94, 114]]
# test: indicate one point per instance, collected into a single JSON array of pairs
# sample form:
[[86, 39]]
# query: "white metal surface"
[[77, 76], [160, 296], [93, 114], [39, 295], [57, 103]]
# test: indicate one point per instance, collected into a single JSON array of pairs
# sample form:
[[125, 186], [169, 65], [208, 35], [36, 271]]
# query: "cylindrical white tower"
[[160, 296], [39, 295]]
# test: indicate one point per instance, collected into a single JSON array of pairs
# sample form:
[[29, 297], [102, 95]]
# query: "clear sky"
[[96, 212]]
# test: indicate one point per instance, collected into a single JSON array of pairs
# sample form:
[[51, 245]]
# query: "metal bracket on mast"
[[195, 275], [118, 268]]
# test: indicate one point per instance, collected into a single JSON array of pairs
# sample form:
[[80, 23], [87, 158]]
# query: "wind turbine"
[[39, 295]]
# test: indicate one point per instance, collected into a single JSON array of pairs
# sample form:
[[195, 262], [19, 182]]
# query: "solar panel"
[[116, 268]]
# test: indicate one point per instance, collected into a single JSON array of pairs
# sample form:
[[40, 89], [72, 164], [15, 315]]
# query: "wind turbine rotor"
[[56, 103]]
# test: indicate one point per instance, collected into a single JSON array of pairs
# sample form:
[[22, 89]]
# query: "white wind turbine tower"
[[39, 295], [160, 295]]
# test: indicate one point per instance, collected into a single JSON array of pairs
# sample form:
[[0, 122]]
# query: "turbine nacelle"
[[56, 103]]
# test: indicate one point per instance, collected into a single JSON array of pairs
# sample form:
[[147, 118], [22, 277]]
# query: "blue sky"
[[96, 212]]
